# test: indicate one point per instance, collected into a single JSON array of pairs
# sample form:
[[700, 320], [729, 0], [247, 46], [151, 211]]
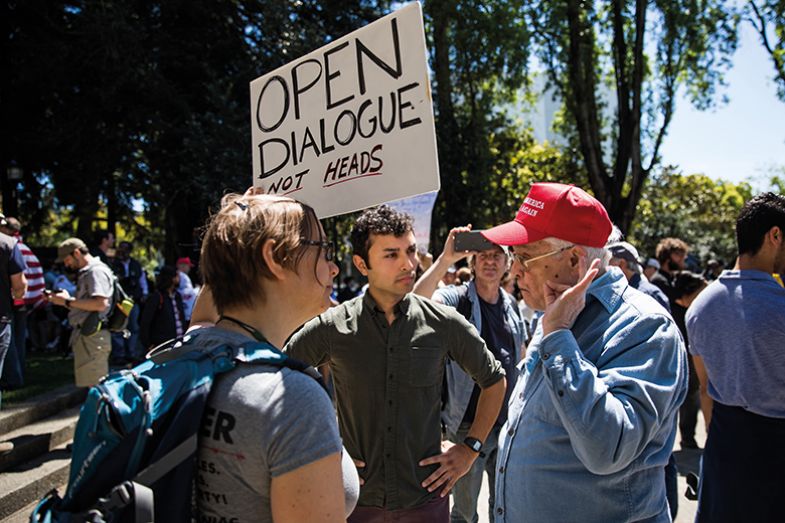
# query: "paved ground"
[[686, 459]]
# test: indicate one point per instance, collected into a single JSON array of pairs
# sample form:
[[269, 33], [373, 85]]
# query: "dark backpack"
[[117, 319], [136, 439]]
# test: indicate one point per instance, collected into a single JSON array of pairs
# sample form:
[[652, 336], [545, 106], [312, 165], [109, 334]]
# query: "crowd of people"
[[559, 362], [66, 304]]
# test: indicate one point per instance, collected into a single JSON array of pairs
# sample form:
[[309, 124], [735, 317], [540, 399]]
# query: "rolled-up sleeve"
[[470, 352], [613, 410]]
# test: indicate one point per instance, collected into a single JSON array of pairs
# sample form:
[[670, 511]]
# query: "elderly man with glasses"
[[592, 419]]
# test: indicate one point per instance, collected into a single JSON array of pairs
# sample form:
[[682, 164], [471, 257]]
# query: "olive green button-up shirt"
[[388, 384]]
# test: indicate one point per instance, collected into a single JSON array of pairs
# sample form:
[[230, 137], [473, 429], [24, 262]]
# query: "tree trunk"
[[442, 14]]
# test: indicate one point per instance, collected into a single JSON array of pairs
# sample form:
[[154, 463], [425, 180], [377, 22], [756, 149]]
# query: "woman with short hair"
[[269, 449]]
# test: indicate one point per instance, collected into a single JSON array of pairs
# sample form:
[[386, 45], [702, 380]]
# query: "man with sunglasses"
[[592, 418], [387, 352]]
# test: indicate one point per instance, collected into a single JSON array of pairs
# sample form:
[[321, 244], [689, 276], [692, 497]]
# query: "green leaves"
[[695, 208]]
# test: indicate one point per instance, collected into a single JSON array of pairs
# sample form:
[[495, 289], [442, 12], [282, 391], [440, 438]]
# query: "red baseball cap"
[[186, 261], [559, 211]]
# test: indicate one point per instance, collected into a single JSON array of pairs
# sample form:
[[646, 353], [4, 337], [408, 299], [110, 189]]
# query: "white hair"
[[592, 253]]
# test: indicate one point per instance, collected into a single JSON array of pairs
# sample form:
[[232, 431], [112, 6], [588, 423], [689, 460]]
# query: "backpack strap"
[[264, 352], [155, 471]]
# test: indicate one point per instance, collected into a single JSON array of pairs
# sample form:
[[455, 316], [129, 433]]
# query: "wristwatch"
[[473, 443]]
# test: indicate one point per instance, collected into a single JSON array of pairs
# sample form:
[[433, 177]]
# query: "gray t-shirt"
[[737, 325], [261, 422], [95, 279]]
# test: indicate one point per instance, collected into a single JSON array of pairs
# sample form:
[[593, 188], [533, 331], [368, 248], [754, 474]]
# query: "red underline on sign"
[[290, 192], [352, 178]]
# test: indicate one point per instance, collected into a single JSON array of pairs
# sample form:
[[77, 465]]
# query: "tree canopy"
[[768, 19], [618, 65], [136, 113]]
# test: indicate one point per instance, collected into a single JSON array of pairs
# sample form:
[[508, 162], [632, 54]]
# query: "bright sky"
[[741, 140]]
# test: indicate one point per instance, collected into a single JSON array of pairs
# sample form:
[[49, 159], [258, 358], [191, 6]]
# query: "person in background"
[[30, 309], [463, 276], [737, 337], [651, 268], [103, 249], [87, 311], [132, 277], [713, 270], [163, 314], [186, 286], [672, 255], [686, 287], [13, 285], [625, 257], [449, 277], [349, 290]]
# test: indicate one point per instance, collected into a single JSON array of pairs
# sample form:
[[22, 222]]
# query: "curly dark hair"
[[668, 246], [378, 220], [756, 218]]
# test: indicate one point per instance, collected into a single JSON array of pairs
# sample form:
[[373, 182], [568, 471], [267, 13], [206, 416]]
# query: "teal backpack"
[[136, 439]]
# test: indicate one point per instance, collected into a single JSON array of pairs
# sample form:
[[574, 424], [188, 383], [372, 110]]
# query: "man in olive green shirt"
[[387, 351]]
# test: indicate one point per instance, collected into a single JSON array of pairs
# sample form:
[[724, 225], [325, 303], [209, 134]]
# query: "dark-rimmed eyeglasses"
[[326, 246], [526, 262]]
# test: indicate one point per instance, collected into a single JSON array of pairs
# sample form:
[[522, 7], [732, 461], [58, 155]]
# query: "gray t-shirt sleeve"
[[98, 282], [303, 426], [260, 424]]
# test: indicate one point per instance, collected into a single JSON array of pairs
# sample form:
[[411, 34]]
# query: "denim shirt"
[[592, 419], [459, 383]]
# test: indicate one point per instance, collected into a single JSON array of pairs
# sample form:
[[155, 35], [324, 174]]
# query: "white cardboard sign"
[[420, 208], [349, 125]]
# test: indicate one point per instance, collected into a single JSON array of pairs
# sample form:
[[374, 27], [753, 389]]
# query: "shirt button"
[[546, 355], [389, 429], [520, 395], [511, 432], [390, 376], [501, 470], [500, 511], [390, 402], [388, 455], [561, 393]]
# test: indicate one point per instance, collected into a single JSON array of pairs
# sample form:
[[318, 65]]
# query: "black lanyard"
[[258, 336]]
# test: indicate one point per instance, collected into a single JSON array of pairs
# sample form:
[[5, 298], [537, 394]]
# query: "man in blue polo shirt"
[[737, 339], [592, 419]]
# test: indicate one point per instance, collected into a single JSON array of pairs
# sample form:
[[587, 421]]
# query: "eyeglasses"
[[329, 248], [526, 262]]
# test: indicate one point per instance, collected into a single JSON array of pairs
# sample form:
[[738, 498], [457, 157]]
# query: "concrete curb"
[[40, 407], [39, 438]]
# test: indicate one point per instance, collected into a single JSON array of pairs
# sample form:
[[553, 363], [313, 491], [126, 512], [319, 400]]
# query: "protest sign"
[[420, 209], [349, 125]]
